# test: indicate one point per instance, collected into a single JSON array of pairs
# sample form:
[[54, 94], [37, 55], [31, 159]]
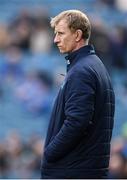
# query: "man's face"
[[64, 37]]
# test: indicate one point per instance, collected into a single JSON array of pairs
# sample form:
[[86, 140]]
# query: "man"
[[80, 129]]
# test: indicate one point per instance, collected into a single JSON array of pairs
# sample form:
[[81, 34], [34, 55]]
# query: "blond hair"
[[75, 20]]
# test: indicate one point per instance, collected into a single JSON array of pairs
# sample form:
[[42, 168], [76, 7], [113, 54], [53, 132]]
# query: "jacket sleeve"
[[79, 110]]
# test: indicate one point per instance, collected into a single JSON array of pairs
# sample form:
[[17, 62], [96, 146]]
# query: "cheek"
[[66, 43], [70, 43]]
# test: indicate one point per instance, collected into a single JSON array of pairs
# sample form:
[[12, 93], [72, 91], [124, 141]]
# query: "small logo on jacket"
[[62, 85]]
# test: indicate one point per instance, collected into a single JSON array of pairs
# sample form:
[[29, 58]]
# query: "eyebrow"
[[58, 32]]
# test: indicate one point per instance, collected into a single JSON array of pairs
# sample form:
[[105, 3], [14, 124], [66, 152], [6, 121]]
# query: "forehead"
[[61, 25]]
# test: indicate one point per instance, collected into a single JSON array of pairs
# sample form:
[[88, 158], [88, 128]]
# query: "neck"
[[80, 44]]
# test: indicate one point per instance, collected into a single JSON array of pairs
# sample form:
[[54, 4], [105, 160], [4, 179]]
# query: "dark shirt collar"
[[83, 51]]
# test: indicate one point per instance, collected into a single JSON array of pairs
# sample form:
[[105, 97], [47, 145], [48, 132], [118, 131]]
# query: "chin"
[[62, 51]]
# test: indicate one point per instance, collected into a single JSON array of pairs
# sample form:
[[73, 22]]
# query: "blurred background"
[[30, 76]]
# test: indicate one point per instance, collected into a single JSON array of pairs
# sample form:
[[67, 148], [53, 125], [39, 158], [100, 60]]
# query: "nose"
[[56, 39]]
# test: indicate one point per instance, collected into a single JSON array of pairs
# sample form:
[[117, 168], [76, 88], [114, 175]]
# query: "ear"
[[78, 35]]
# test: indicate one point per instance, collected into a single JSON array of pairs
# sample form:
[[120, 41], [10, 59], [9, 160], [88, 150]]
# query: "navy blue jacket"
[[80, 129]]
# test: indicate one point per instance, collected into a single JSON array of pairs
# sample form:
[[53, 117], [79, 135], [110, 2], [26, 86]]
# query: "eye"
[[61, 33]]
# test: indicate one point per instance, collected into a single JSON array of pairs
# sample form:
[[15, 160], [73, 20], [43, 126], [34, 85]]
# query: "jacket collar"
[[71, 58]]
